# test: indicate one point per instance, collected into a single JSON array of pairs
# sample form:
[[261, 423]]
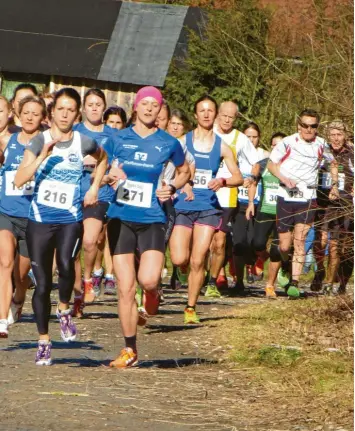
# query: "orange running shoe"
[[127, 358], [151, 302], [78, 307], [89, 293], [270, 292]]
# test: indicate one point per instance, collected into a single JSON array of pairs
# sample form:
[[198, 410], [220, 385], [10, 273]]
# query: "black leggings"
[[42, 240], [265, 224], [243, 234]]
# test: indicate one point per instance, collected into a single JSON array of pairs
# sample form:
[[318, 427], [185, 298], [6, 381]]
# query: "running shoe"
[[341, 290], [15, 312], [127, 358], [316, 285], [292, 291], [283, 276], [328, 289], [239, 288], [89, 292], [43, 355], [258, 269], [142, 316], [67, 326], [190, 316], [250, 276], [270, 292], [222, 282], [78, 307], [212, 291], [182, 276], [96, 283], [151, 301], [4, 332], [110, 287]]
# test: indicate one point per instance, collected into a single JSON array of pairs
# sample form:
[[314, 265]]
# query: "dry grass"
[[301, 350]]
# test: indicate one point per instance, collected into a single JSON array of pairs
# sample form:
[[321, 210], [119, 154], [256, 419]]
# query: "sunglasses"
[[307, 126]]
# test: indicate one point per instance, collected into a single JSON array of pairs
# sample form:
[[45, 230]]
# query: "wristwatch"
[[190, 183], [224, 182], [173, 188]]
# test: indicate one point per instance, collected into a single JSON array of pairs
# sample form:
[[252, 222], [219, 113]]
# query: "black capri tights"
[[265, 225], [243, 233], [42, 240]]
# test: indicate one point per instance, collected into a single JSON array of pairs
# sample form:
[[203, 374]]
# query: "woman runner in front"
[[137, 220], [55, 157]]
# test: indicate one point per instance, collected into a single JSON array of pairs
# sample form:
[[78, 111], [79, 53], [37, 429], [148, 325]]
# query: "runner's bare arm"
[[91, 195], [334, 191], [31, 163], [182, 176], [274, 168], [235, 180]]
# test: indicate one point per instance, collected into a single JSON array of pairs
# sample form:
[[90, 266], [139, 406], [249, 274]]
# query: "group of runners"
[[76, 176]]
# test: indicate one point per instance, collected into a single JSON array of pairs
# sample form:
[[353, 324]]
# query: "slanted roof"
[[97, 39]]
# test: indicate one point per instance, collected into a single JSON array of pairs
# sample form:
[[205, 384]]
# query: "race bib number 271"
[[135, 193]]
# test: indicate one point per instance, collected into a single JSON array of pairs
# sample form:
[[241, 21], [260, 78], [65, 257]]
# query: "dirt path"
[[180, 384]]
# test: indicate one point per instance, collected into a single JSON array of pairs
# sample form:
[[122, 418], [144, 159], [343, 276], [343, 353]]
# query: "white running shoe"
[[4, 332], [14, 313], [67, 326]]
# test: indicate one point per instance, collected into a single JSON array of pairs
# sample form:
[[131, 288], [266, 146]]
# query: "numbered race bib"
[[270, 196], [135, 193], [56, 194], [243, 193], [327, 181], [299, 195], [202, 178], [11, 190]]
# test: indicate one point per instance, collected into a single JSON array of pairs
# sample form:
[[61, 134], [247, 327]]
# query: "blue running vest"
[[207, 165], [14, 201]]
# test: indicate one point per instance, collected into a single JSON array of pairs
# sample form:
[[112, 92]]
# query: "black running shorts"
[[17, 226], [126, 237], [97, 212], [288, 214], [211, 218]]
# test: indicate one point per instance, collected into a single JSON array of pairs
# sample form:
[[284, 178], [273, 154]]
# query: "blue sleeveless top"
[[56, 197], [14, 201], [207, 165]]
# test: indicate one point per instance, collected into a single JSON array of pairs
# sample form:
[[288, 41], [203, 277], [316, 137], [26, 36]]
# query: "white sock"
[[109, 276]]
